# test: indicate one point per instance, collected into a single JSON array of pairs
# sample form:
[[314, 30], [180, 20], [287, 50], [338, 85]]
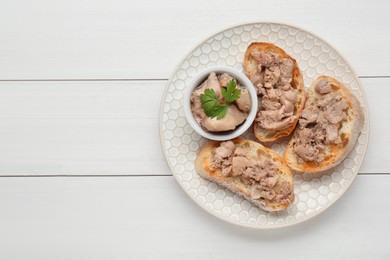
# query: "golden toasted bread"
[[244, 185], [250, 66], [348, 131]]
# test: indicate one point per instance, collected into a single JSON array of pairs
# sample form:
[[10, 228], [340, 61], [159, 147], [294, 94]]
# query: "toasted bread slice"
[[348, 131], [250, 66], [204, 161]]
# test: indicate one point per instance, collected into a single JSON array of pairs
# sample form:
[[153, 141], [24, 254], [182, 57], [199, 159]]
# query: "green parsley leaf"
[[231, 93], [221, 111], [211, 106]]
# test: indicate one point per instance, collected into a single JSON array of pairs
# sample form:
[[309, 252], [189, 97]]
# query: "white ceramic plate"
[[314, 192]]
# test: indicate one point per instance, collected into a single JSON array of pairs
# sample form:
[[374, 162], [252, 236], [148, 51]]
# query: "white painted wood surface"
[[119, 218], [122, 39], [69, 72], [96, 127]]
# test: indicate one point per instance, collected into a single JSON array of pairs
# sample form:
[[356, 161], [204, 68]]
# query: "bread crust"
[[203, 164], [250, 66], [349, 132]]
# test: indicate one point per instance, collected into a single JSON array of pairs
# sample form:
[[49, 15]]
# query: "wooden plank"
[[111, 128], [152, 218], [377, 159], [116, 39], [50, 128]]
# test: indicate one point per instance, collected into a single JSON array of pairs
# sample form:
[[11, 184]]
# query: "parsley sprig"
[[212, 107]]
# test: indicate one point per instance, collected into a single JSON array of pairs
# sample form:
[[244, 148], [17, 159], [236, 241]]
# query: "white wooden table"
[[82, 170]]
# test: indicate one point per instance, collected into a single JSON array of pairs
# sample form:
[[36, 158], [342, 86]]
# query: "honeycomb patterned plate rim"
[[212, 210]]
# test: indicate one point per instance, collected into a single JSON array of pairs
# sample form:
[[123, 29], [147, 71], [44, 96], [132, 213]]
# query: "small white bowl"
[[197, 81]]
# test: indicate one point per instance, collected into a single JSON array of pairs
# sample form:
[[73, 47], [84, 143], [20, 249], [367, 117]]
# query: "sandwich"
[[279, 87], [328, 127], [248, 169]]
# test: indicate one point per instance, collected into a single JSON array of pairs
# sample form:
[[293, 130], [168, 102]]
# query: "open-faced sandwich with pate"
[[249, 169], [328, 127], [280, 90]]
